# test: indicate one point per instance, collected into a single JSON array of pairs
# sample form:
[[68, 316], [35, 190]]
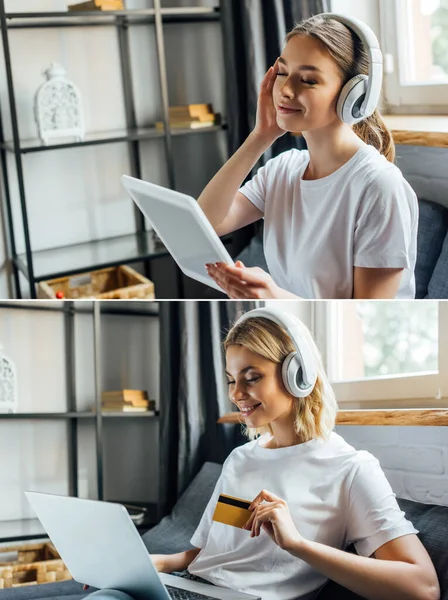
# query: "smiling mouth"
[[246, 412], [288, 111]]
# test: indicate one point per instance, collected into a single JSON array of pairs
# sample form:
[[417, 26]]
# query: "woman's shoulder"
[[383, 179], [379, 171], [339, 449]]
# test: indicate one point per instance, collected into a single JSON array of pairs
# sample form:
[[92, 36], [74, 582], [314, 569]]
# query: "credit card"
[[232, 511]]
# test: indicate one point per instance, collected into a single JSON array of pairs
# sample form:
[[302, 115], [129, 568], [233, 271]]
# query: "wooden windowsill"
[[419, 130], [436, 417]]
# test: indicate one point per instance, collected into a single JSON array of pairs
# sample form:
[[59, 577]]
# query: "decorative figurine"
[[8, 385], [58, 107]]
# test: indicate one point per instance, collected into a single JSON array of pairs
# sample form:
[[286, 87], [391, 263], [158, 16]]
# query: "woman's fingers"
[[273, 75], [266, 80]]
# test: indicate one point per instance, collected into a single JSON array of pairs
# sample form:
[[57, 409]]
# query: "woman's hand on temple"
[[266, 123], [271, 513], [240, 282]]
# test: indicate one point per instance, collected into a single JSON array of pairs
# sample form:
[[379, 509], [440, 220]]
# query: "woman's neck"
[[283, 438], [329, 149]]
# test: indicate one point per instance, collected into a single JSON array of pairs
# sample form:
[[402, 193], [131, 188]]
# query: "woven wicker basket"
[[114, 283], [35, 564]]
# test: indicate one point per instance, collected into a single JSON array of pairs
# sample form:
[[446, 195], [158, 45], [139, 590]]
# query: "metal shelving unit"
[[30, 528], [137, 247]]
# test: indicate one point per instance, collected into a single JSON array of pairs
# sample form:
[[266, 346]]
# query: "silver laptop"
[[102, 548], [182, 226]]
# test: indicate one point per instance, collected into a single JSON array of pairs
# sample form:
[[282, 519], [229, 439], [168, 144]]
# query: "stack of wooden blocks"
[[127, 401], [191, 116], [31, 564], [98, 5]]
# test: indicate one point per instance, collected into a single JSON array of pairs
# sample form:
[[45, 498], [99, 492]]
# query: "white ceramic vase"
[[8, 384], [58, 107]]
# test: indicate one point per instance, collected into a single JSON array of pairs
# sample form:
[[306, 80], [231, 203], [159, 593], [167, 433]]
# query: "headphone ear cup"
[[292, 376], [288, 375], [351, 98]]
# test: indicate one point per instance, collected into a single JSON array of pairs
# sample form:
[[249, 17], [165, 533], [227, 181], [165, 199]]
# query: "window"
[[414, 39], [385, 353]]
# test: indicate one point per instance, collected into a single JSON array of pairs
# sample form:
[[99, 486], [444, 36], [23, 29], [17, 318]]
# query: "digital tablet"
[[182, 226]]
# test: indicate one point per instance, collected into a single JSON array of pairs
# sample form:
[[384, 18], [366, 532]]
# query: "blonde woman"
[[340, 220], [312, 493]]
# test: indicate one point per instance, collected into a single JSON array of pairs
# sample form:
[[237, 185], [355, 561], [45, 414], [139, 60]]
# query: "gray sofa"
[[431, 270], [173, 533]]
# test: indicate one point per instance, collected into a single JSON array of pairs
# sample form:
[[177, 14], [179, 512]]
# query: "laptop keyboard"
[[178, 594]]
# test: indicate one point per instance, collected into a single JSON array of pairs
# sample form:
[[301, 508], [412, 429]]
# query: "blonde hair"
[[313, 416], [351, 57]]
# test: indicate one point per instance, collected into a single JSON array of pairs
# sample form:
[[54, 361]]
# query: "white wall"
[[414, 459], [33, 454]]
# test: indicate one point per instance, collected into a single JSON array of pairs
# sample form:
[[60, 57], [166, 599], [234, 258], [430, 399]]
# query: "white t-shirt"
[[335, 494], [365, 214]]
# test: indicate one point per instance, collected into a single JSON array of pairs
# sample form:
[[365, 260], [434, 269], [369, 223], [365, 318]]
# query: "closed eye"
[[253, 380], [306, 81]]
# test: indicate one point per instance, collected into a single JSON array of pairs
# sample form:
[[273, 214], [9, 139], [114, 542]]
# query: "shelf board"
[[23, 529], [35, 305], [88, 256], [91, 139], [78, 18], [118, 415], [48, 416], [103, 137], [99, 254], [77, 415]]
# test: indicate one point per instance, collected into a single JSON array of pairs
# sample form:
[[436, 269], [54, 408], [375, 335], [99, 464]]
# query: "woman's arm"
[[376, 283], [225, 207], [167, 563], [402, 571]]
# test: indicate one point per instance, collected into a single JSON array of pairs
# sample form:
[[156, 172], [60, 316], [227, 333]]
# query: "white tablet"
[[182, 226]]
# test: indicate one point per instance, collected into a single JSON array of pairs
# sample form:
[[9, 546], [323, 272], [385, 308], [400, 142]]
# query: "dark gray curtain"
[[253, 37], [193, 391]]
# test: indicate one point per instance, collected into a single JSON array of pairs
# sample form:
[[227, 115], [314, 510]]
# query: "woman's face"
[[307, 86], [256, 387]]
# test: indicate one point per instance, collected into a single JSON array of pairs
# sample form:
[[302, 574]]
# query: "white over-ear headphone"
[[361, 94], [299, 370]]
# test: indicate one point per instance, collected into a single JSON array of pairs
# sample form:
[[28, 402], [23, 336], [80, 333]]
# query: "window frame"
[[411, 99], [409, 391]]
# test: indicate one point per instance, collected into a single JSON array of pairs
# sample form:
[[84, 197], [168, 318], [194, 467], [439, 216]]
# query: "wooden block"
[[97, 5]]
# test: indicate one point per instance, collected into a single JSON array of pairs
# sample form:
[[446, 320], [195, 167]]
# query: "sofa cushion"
[[432, 523], [253, 254], [174, 531], [432, 233], [62, 590], [438, 285]]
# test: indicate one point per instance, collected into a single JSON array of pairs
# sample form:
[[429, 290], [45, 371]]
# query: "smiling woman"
[[308, 494], [340, 220]]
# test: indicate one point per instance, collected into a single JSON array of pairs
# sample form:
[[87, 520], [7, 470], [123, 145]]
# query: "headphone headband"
[[375, 55], [303, 359]]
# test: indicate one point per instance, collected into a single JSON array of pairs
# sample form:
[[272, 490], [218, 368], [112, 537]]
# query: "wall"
[[33, 454], [414, 459]]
